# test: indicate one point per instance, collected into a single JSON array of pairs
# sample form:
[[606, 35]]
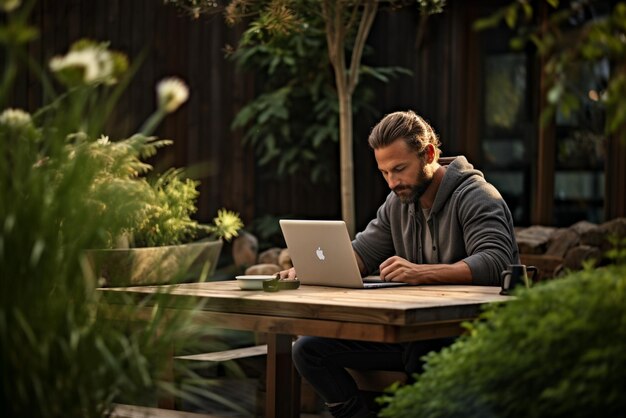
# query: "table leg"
[[283, 381]]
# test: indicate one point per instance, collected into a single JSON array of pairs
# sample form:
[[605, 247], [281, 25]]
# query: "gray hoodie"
[[469, 221]]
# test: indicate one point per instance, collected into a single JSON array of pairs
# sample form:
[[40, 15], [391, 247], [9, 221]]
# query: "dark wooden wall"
[[174, 44]]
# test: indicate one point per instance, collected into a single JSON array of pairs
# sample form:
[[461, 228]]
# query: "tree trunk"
[[345, 159], [346, 80]]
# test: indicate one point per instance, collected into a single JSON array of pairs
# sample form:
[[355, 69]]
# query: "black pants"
[[323, 362]]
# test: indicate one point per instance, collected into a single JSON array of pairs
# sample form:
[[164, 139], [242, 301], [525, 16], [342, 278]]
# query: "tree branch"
[[330, 32], [353, 16], [367, 19]]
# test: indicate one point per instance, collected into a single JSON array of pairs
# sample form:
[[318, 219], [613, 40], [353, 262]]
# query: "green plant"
[[64, 188], [162, 206], [293, 122], [555, 350], [617, 253]]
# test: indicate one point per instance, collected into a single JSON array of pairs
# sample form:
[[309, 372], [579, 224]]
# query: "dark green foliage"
[[578, 37], [556, 350]]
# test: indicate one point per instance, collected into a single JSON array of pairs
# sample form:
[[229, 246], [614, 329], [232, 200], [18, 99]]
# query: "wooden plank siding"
[[445, 88]]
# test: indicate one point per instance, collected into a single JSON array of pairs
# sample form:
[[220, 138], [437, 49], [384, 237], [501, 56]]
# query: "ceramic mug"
[[515, 275]]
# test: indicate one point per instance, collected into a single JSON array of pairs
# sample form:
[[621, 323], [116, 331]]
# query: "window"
[[504, 123]]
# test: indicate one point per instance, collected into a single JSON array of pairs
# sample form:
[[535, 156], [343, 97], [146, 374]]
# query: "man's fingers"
[[288, 274], [387, 263], [387, 267]]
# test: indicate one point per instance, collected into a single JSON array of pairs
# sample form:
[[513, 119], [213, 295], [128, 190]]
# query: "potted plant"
[[154, 246], [162, 243]]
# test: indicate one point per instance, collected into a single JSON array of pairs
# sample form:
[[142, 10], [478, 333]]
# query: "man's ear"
[[430, 153]]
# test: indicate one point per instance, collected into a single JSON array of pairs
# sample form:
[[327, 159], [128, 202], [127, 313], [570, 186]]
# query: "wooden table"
[[395, 314]]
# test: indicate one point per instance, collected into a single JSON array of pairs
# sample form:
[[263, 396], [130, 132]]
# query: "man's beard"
[[409, 194]]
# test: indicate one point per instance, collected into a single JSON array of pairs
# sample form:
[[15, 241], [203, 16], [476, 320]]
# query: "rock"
[[583, 226], [561, 241], [284, 260], [245, 250], [614, 229], [590, 233], [534, 239], [576, 255], [269, 256], [263, 269]]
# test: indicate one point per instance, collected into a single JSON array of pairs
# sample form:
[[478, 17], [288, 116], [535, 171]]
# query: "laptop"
[[321, 252]]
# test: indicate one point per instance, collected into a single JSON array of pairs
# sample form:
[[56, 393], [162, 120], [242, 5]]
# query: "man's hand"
[[398, 269], [288, 274]]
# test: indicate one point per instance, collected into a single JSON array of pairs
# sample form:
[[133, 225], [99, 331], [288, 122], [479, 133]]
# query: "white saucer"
[[253, 282]]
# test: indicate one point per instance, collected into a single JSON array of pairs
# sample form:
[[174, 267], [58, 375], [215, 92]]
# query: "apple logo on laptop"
[[320, 253]]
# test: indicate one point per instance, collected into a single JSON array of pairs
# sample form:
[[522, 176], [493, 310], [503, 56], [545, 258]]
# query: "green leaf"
[[517, 43], [308, 155], [553, 3], [489, 21], [510, 16], [528, 10], [244, 116]]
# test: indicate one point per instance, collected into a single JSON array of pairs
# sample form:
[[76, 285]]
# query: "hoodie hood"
[[458, 173]]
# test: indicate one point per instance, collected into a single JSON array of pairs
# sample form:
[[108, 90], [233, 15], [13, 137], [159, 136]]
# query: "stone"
[[590, 233], [561, 241], [263, 269], [284, 260], [269, 256], [245, 250], [576, 255], [614, 229], [583, 226], [534, 239]]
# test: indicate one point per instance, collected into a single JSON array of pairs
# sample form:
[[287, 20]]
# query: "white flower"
[[171, 92], [10, 5], [103, 140], [15, 118], [95, 61]]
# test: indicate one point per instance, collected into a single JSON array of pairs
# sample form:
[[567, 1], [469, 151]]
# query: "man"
[[439, 225]]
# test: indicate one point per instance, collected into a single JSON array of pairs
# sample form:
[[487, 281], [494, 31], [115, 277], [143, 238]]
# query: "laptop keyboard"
[[373, 284], [372, 279]]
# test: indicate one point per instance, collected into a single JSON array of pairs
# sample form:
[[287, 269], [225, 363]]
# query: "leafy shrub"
[[556, 350]]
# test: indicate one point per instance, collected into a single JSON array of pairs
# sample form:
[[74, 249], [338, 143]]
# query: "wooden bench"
[[133, 411], [366, 380], [234, 354]]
